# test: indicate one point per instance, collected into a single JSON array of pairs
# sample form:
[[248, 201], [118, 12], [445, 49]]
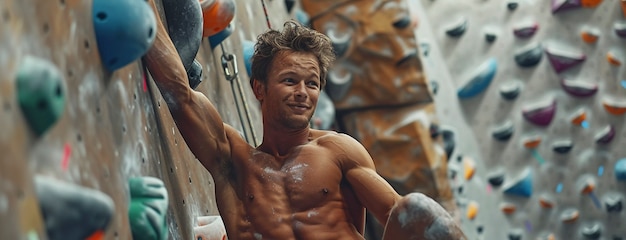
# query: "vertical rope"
[[267, 18]]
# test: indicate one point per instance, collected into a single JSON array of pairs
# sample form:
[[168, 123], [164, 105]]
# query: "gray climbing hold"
[[529, 56], [592, 232], [458, 28], [339, 82], [510, 90], [194, 74], [613, 203], [434, 86], [340, 40], [620, 170], [504, 131], [523, 186], [448, 141], [561, 60], [579, 88], [606, 135], [540, 115], [480, 81], [562, 146], [526, 31]]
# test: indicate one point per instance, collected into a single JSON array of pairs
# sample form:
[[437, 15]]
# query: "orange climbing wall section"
[[114, 126]]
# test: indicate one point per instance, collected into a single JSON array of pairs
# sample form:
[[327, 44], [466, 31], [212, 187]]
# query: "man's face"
[[293, 87]]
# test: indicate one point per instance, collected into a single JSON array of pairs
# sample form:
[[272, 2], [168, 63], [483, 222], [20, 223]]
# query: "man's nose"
[[300, 90]]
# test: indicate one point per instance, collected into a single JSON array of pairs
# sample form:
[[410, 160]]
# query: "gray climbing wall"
[[114, 126], [555, 134]]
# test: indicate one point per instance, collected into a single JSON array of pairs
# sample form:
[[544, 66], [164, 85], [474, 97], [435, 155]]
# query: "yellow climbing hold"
[[472, 210]]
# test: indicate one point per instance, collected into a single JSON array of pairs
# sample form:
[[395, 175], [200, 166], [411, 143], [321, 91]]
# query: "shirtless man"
[[300, 183]]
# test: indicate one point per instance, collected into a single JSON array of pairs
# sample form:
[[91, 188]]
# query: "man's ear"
[[259, 89]]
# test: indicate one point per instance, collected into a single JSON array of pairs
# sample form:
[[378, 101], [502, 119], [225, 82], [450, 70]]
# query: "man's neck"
[[279, 143]]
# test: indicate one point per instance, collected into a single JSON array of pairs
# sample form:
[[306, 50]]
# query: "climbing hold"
[[448, 141], [147, 209], [592, 232], [579, 88], [613, 106], [561, 60], [532, 142], [579, 117], [546, 202], [540, 114], [496, 179], [620, 29], [510, 90], [72, 212], [508, 208], [522, 186], [434, 130], [504, 131], [217, 15], [289, 5], [210, 228], [480, 81], [184, 26], [490, 37], [302, 17], [248, 51], [562, 5], [606, 135], [125, 30], [219, 37], [589, 36], [40, 93], [512, 5], [586, 185], [569, 216], [339, 81], [324, 115], [340, 40], [562, 146], [469, 166], [613, 60], [195, 74], [613, 203], [458, 28], [529, 56], [526, 31], [620, 170], [590, 3], [623, 7], [516, 234], [434, 86], [472, 210]]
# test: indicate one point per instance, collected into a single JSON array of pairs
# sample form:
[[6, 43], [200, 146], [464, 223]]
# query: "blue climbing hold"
[[125, 30], [219, 37], [480, 81], [248, 51], [620, 169], [523, 187]]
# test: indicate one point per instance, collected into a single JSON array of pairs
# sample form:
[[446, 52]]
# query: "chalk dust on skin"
[[419, 207], [312, 213], [258, 236], [297, 171]]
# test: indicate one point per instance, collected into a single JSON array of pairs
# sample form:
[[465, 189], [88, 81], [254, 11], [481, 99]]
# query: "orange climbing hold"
[[508, 208], [532, 143], [546, 203], [613, 60], [551, 237], [470, 168], [579, 117], [624, 7], [590, 3], [98, 235], [570, 216], [217, 15], [589, 37], [472, 210], [614, 107]]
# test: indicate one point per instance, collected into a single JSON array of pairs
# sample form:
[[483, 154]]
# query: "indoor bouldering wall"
[[533, 92], [92, 135]]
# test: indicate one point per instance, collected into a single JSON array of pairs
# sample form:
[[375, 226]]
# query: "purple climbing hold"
[[541, 114], [562, 61], [561, 5], [606, 135], [523, 186], [579, 88], [526, 31], [620, 29]]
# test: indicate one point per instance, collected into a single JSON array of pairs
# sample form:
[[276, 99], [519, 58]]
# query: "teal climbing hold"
[[248, 51], [125, 30], [523, 187], [561, 60], [620, 169], [480, 81], [529, 56], [148, 208], [40, 93], [219, 37]]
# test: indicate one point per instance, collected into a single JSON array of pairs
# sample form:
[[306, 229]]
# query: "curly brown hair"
[[293, 37]]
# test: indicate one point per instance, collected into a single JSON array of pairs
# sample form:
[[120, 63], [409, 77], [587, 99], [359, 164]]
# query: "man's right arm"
[[196, 117]]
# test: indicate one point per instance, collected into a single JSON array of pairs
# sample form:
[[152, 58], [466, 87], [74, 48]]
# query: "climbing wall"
[[533, 93], [105, 131]]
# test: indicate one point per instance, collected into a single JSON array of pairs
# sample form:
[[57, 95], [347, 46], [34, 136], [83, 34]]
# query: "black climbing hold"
[[496, 179], [458, 29], [434, 86], [184, 25], [479, 229], [504, 132], [515, 235], [563, 146], [195, 74], [402, 23], [592, 232], [460, 189], [340, 41], [613, 204], [512, 5], [448, 141], [490, 37], [289, 4], [434, 130], [617, 238], [72, 212], [510, 91], [40, 93], [530, 56], [338, 83], [459, 158]]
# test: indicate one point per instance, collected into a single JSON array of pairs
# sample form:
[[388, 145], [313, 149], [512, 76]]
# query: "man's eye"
[[289, 80], [313, 83]]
